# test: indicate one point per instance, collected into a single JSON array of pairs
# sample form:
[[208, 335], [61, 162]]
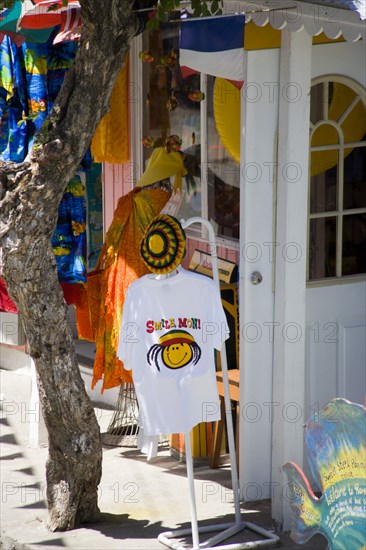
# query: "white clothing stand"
[[227, 529]]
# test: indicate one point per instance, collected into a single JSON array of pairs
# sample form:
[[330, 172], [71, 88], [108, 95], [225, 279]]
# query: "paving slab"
[[138, 499]]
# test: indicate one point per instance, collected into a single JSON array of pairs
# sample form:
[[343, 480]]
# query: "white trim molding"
[[296, 16]]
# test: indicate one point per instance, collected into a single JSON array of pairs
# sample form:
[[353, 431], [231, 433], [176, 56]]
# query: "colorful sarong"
[[119, 264]]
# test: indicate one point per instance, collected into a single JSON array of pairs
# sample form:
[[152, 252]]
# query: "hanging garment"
[[110, 142], [81, 219], [13, 103], [20, 24], [69, 238], [72, 292], [170, 328], [31, 76], [94, 198], [163, 165], [6, 303], [119, 264]]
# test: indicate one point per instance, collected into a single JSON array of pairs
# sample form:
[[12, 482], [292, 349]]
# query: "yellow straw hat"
[[164, 244]]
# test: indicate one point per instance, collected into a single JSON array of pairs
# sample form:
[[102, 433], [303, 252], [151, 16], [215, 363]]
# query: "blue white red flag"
[[213, 45]]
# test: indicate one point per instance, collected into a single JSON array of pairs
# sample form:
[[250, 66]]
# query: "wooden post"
[[290, 273]]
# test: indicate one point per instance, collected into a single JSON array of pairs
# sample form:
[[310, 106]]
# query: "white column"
[[259, 115], [136, 102], [204, 152], [290, 274]]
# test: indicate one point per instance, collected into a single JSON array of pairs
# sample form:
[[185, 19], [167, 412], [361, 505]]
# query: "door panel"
[[335, 347], [352, 362]]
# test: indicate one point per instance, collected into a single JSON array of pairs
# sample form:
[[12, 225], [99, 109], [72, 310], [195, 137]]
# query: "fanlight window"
[[337, 197]]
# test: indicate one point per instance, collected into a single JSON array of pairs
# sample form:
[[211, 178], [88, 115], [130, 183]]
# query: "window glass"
[[354, 192], [223, 178], [168, 109], [323, 191], [325, 134], [322, 160], [340, 97], [337, 190], [318, 93], [322, 249], [354, 244], [172, 105]]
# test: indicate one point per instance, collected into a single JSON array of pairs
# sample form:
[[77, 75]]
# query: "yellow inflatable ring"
[[226, 103], [226, 100], [353, 128]]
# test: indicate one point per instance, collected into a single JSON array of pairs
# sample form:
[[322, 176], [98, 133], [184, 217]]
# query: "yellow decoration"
[[163, 165], [353, 127], [227, 118], [110, 142], [227, 115]]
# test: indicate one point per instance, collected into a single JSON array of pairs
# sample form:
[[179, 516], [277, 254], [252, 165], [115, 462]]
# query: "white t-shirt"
[[169, 330]]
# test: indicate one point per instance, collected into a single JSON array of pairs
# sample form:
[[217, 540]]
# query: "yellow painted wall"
[[261, 38]]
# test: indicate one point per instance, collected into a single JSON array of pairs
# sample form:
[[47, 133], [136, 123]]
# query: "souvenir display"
[[169, 340]]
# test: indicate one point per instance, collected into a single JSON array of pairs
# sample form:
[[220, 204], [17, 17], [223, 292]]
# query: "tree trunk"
[[29, 199], [73, 468]]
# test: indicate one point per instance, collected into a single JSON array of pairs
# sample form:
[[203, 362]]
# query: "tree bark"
[[29, 197]]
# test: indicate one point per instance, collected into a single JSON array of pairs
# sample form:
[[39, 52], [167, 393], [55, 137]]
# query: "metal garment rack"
[[227, 530]]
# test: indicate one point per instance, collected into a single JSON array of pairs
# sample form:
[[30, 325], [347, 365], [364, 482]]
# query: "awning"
[[34, 20], [334, 18]]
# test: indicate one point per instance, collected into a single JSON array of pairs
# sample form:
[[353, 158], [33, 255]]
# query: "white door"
[[336, 292], [336, 344]]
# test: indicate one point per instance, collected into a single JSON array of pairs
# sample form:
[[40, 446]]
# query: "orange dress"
[[119, 264]]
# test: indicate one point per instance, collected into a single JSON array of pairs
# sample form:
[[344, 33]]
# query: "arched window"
[[337, 195]]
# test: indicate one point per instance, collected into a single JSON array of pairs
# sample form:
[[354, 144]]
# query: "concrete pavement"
[[138, 499]]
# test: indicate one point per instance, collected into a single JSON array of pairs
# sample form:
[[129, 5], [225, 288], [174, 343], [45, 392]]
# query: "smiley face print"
[[177, 355], [176, 349]]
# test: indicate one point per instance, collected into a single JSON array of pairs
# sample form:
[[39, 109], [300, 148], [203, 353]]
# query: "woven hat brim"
[[172, 235]]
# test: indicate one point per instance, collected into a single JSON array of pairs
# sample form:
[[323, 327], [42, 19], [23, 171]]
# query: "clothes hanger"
[[164, 276]]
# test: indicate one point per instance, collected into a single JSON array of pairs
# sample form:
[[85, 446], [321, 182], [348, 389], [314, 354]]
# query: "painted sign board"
[[335, 442]]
